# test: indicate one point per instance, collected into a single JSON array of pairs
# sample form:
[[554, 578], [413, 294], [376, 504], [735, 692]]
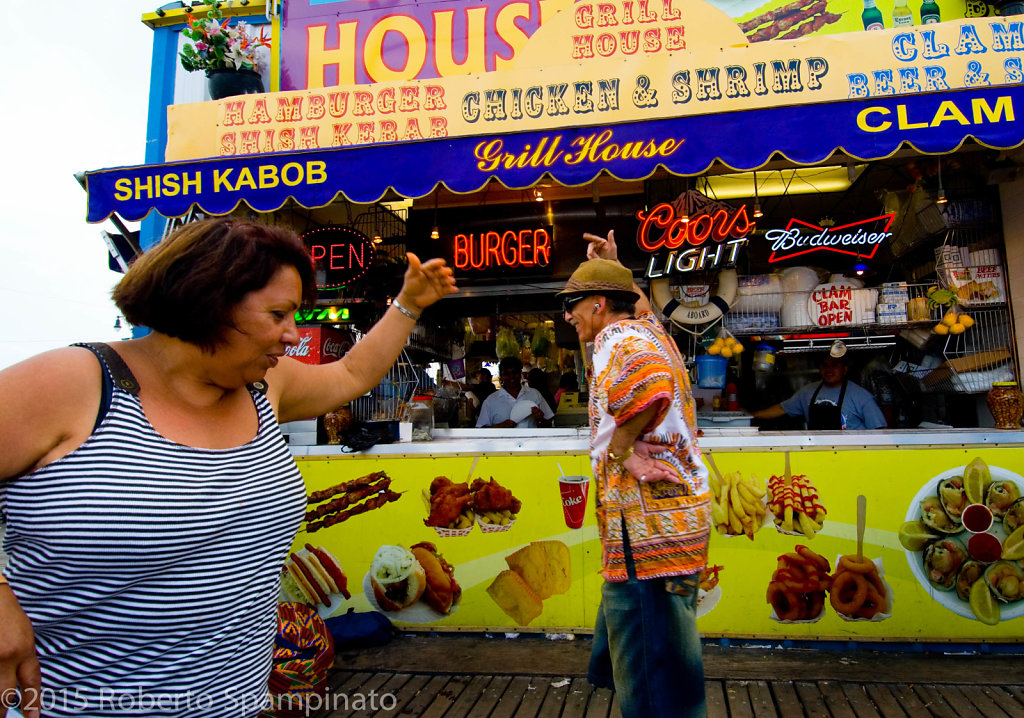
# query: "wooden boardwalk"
[[462, 677]]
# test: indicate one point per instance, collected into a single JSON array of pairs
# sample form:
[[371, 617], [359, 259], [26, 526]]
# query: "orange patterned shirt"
[[636, 366]]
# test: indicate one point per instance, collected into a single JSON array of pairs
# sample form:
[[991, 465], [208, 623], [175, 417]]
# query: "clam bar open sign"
[[340, 255]]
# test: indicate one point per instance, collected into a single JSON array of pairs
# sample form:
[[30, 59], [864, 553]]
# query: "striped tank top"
[[150, 570]]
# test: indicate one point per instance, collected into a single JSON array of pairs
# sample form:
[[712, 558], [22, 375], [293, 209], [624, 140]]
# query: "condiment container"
[[1006, 402], [421, 414], [764, 358], [917, 310]]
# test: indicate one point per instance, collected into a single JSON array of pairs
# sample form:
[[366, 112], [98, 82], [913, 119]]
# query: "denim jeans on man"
[[646, 646]]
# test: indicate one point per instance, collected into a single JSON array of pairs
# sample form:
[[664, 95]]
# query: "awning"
[[866, 129]]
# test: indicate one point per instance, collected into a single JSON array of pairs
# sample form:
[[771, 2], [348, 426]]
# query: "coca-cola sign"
[[858, 239], [320, 344]]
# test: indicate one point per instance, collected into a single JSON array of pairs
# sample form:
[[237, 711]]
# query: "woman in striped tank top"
[[150, 497]]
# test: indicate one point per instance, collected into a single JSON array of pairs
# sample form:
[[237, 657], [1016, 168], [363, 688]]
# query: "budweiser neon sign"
[[857, 239]]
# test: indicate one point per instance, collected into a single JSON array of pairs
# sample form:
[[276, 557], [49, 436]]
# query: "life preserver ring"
[[675, 312]]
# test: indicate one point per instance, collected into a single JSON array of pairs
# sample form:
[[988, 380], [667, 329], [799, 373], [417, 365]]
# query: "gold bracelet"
[[398, 305], [620, 459]]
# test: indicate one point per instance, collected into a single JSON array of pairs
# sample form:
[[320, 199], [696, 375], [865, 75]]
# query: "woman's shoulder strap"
[[122, 375]]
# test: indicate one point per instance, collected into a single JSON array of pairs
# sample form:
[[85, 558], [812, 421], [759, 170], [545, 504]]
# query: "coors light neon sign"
[[685, 227]]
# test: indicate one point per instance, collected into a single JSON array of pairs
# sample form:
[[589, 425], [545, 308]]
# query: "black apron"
[[826, 417]]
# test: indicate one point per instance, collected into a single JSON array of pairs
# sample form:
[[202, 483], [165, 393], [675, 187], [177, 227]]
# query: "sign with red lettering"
[[340, 254], [684, 226], [502, 250], [857, 239]]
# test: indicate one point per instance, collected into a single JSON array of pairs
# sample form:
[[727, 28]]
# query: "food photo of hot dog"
[[312, 576], [443, 591], [416, 584]]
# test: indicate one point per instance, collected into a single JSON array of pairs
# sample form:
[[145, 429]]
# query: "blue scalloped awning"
[[866, 129]]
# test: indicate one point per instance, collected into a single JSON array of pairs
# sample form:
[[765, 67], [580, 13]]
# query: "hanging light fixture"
[[940, 197], [435, 233], [757, 202], [538, 195]]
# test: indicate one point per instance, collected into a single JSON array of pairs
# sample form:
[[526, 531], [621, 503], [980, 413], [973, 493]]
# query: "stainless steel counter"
[[575, 441]]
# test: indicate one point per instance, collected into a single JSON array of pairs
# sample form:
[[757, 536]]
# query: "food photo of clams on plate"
[[964, 541]]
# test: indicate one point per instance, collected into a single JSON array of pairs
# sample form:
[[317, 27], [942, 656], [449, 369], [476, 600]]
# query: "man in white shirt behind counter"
[[496, 411]]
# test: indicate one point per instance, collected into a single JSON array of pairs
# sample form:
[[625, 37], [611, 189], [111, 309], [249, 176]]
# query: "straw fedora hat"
[[601, 276]]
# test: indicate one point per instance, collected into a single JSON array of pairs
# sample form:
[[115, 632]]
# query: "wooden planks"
[[381, 694]]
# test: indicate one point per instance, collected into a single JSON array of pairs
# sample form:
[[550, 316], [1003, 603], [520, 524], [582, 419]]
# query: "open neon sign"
[[686, 237], [503, 250], [340, 254]]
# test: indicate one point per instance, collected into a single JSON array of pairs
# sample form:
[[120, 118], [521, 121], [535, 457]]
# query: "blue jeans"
[[647, 648]]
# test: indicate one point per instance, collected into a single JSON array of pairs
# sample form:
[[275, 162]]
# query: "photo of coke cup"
[[574, 499]]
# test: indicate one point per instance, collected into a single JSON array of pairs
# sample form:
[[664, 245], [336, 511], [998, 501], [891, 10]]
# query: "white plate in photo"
[[915, 559], [706, 600]]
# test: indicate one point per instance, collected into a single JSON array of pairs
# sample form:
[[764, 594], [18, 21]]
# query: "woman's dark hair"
[[188, 286]]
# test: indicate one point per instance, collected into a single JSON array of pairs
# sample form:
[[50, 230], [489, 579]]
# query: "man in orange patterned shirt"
[[653, 501]]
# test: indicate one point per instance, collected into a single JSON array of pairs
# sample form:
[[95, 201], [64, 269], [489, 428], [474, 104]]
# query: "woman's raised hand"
[[602, 248], [426, 282]]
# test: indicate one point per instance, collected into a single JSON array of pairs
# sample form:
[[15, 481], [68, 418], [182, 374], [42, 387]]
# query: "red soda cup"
[[574, 499]]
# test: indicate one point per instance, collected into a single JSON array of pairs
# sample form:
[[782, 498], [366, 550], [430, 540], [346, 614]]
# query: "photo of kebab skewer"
[[789, 21], [348, 499]]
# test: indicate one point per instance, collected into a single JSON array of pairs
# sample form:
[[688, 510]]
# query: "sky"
[[74, 92]]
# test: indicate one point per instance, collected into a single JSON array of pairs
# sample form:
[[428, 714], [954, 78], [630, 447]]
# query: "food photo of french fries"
[[796, 505], [737, 504]]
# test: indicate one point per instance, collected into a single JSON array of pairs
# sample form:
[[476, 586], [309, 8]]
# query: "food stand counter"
[[534, 572]]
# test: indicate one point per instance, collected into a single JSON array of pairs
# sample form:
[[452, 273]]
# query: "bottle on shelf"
[[929, 12], [901, 14], [872, 16]]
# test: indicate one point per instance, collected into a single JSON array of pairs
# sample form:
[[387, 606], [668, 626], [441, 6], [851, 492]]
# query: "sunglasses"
[[569, 302]]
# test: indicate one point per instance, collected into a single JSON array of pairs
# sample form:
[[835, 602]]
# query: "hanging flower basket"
[[226, 83]]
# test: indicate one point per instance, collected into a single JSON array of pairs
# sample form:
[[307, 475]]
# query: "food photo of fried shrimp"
[[789, 21]]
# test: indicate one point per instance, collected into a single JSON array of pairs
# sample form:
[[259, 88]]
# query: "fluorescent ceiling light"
[[802, 180]]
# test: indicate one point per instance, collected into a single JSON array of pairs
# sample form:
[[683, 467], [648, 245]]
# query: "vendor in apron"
[[833, 404]]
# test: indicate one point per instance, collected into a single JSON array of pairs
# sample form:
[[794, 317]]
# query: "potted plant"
[[225, 52]]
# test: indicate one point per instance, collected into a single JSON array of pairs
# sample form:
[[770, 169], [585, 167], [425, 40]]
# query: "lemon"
[[940, 329], [714, 349], [977, 477], [950, 319], [966, 320], [983, 603], [737, 348], [957, 328], [1013, 546], [914, 535], [727, 352]]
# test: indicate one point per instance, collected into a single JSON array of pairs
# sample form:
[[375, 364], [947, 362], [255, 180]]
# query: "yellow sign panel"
[[535, 573]]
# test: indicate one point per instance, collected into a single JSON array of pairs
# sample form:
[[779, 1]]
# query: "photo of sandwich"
[[314, 576], [414, 585]]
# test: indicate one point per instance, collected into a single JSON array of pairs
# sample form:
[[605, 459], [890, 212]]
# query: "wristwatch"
[[620, 459]]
